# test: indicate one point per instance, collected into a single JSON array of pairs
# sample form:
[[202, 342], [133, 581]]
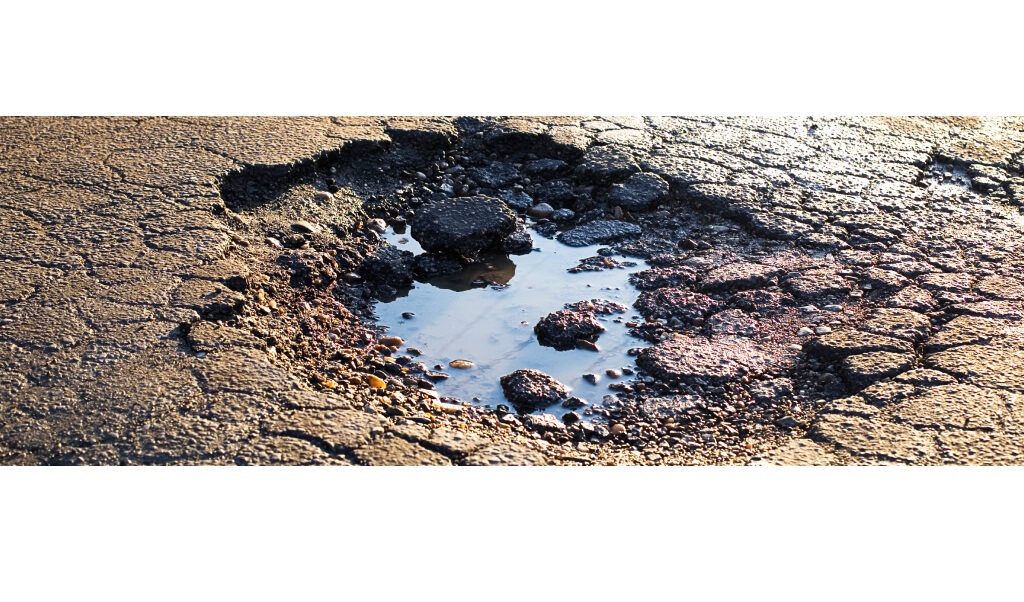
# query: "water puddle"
[[486, 314]]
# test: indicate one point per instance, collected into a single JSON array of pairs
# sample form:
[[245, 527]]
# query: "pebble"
[[375, 381], [304, 226], [461, 364], [804, 332], [591, 378], [613, 373], [795, 347], [618, 429], [274, 242], [541, 211], [822, 330], [408, 315], [573, 403], [377, 225], [833, 307], [391, 341], [323, 195]]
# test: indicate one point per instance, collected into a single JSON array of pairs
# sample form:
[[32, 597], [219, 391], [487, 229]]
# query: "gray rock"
[[738, 276], [516, 199], [639, 192], [519, 242], [564, 328], [389, 265], [495, 175], [529, 390], [606, 164], [676, 302], [463, 226], [542, 422], [544, 168], [555, 192], [818, 286], [599, 232]]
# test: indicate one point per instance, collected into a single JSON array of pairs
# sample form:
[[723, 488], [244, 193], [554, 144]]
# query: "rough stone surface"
[[529, 390], [599, 232], [639, 192], [873, 440], [900, 323], [837, 345], [186, 290], [562, 329], [463, 226], [701, 361], [862, 370], [966, 330], [678, 303], [955, 406], [989, 366], [394, 451]]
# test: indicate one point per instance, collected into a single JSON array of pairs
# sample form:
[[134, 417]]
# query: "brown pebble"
[[618, 429]]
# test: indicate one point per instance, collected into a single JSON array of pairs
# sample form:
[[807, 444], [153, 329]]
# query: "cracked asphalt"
[[131, 332]]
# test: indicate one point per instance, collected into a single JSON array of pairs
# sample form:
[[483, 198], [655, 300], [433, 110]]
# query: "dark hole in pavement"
[[480, 200]]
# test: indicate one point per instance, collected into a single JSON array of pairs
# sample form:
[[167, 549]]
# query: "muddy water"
[[458, 317]]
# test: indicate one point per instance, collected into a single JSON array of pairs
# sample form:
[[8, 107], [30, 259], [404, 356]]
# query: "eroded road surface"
[[803, 290]]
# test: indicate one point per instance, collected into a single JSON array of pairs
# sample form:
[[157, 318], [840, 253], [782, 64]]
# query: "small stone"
[[613, 373], [570, 418], [408, 315], [804, 332], [375, 381], [304, 226], [541, 211], [461, 364], [786, 422], [323, 195], [833, 307], [573, 403], [688, 244], [591, 378], [391, 341], [618, 429], [377, 225], [822, 330]]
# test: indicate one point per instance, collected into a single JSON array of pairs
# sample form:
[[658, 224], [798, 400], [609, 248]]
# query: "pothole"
[[420, 274]]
